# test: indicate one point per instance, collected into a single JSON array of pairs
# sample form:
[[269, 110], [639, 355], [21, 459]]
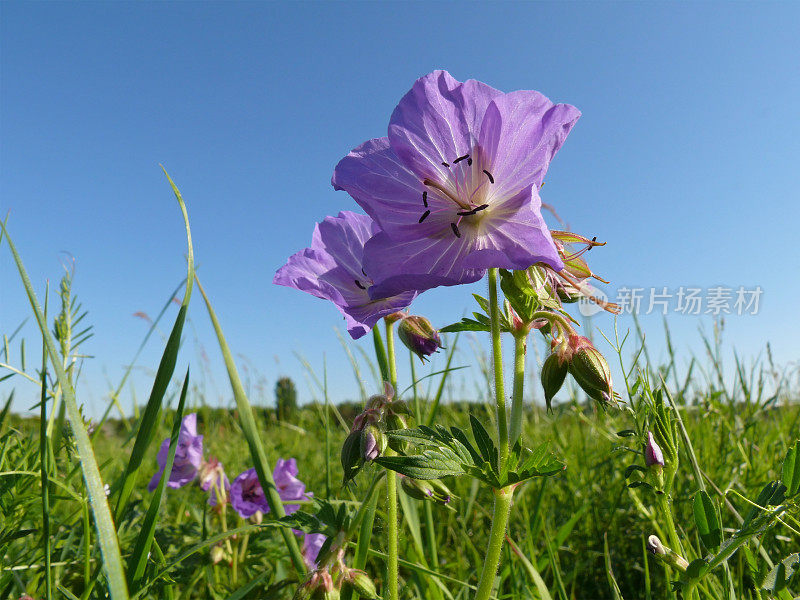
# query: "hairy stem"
[[497, 360], [502, 509], [520, 347], [391, 487]]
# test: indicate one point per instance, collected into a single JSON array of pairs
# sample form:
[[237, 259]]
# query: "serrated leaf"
[[428, 465], [782, 574], [484, 442], [462, 437], [705, 517], [790, 476], [464, 325], [482, 302]]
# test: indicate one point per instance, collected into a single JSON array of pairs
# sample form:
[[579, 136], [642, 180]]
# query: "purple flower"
[[333, 269], [212, 477], [454, 186], [188, 456], [652, 452], [247, 495], [312, 543]]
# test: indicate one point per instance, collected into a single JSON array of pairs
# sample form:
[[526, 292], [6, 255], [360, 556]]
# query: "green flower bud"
[[427, 489], [419, 336], [554, 372], [373, 443], [590, 370], [395, 421], [361, 583], [351, 455]]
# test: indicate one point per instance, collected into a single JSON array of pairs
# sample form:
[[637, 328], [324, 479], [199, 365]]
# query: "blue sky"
[[685, 159]]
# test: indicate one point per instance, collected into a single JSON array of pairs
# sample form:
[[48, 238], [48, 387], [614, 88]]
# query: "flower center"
[[466, 187]]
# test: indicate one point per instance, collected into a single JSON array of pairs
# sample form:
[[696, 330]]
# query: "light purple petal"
[[333, 269], [437, 121], [520, 133], [312, 544]]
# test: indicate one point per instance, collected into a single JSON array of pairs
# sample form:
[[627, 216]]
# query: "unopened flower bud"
[[426, 489], [667, 555], [217, 554], [361, 583], [652, 452], [351, 455], [554, 372], [419, 336], [590, 369], [395, 422], [373, 443]]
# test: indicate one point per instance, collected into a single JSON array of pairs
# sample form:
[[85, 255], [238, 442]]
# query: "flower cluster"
[[451, 191]]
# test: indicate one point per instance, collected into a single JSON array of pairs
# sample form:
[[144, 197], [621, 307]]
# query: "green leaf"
[[484, 442], [705, 517], [144, 541], [791, 470], [431, 464], [464, 325], [782, 575]]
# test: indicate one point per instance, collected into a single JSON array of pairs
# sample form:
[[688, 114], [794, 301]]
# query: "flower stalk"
[[520, 350], [391, 485], [497, 361], [502, 510]]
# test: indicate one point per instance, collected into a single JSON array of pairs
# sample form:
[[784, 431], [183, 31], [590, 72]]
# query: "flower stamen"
[[460, 158], [425, 198], [489, 175], [424, 215], [446, 192], [454, 227], [359, 284], [477, 209]]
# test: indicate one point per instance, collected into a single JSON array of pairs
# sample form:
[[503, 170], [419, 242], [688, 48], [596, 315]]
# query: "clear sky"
[[685, 159]]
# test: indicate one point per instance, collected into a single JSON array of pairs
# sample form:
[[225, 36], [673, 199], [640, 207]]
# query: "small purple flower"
[[247, 495], [333, 269], [652, 452], [455, 185], [188, 456], [312, 543]]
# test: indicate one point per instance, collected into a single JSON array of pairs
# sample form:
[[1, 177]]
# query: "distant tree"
[[285, 399]]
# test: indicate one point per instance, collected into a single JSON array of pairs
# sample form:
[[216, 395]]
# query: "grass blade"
[[106, 532], [257, 453], [144, 541], [149, 421]]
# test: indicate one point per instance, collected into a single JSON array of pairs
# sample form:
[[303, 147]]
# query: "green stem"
[[497, 360], [520, 347], [502, 509], [672, 533], [391, 487]]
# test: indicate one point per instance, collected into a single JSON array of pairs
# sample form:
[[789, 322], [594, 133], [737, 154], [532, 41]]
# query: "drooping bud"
[[361, 583], [554, 372], [590, 369], [652, 452], [351, 455], [426, 489], [419, 336], [396, 421], [667, 555], [373, 443]]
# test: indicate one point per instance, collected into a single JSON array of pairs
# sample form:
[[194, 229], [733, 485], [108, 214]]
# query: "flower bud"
[[652, 452], [217, 554], [419, 336], [373, 443], [361, 583], [667, 555], [394, 422], [427, 489], [590, 369], [554, 372], [351, 455]]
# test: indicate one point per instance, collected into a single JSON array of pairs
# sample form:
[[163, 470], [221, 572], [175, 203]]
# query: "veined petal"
[[437, 121], [418, 264], [388, 192], [521, 132]]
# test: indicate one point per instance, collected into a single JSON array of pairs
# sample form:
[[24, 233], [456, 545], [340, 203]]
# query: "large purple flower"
[[188, 456], [247, 495], [333, 269], [454, 186]]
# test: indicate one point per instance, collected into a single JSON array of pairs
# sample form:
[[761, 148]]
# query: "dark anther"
[[469, 162], [424, 216], [467, 213], [594, 239], [364, 272], [359, 284], [444, 164], [454, 227], [460, 158], [489, 175], [425, 199]]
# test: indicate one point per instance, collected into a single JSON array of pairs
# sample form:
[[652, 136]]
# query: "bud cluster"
[[367, 439], [577, 355], [327, 583]]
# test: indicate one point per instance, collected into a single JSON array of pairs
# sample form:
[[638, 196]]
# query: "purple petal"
[[332, 269], [520, 133], [312, 544], [437, 121]]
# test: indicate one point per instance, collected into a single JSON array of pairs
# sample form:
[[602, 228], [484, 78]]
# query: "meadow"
[[581, 533]]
